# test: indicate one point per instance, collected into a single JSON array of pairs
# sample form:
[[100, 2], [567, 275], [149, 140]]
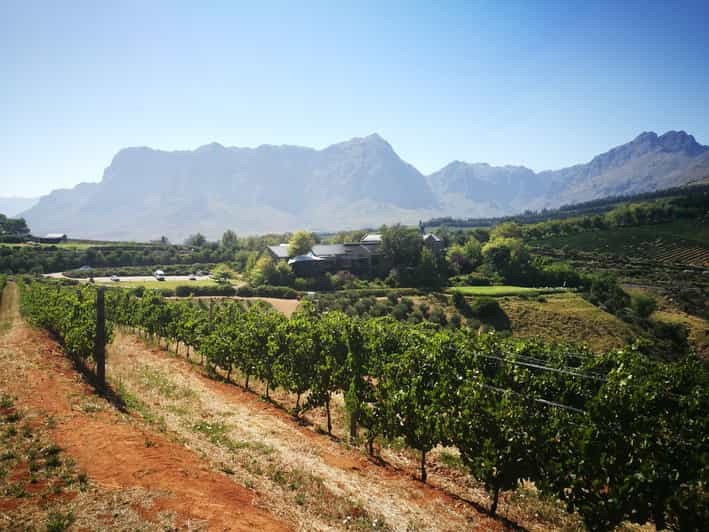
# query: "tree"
[[222, 273], [196, 240], [509, 258], [267, 271], [401, 246], [506, 230], [300, 243], [429, 270], [13, 226], [604, 291], [229, 239]]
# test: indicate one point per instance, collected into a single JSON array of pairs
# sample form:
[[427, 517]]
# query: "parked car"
[[115, 278], [159, 275]]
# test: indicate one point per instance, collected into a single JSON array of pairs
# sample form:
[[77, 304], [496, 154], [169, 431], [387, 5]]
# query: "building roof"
[[431, 235], [355, 250], [280, 250], [305, 258], [329, 250], [55, 235], [371, 238]]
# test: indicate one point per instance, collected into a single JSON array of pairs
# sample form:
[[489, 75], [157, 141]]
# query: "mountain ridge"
[[147, 192]]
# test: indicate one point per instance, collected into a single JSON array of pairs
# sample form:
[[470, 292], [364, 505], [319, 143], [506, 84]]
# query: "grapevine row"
[[68, 313], [617, 437]]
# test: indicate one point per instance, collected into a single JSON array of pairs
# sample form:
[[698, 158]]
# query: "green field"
[[502, 290], [644, 240]]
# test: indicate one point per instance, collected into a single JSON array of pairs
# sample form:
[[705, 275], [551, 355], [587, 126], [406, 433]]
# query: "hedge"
[[283, 292], [215, 290]]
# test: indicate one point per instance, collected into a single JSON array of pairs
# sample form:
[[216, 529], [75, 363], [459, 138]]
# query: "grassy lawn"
[[566, 317], [502, 290]]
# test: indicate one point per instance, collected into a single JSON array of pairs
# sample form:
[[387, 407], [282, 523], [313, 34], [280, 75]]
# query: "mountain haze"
[[146, 193], [12, 206]]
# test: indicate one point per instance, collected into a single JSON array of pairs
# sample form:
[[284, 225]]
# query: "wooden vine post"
[[100, 343]]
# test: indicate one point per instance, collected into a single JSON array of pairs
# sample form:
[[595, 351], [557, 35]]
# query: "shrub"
[[283, 292], [485, 307], [458, 300], [400, 311], [471, 279], [437, 316], [455, 320], [643, 305], [195, 290]]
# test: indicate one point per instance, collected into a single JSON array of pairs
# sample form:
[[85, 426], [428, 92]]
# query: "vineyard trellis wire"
[[614, 447]]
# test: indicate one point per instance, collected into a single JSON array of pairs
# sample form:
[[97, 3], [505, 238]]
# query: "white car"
[[159, 275], [192, 277], [115, 278]]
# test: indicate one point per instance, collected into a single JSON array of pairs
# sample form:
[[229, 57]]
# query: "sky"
[[541, 84]]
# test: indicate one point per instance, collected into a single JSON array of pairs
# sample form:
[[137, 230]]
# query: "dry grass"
[[255, 449], [697, 328], [566, 318]]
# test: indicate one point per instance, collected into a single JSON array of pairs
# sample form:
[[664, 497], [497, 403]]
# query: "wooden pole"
[[100, 344]]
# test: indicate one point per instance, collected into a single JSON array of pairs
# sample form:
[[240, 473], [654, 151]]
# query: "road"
[[130, 278]]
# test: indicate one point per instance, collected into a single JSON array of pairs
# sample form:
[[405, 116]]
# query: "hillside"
[[649, 162], [146, 193]]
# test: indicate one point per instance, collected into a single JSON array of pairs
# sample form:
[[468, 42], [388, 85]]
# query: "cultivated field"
[[684, 242], [173, 448], [503, 290]]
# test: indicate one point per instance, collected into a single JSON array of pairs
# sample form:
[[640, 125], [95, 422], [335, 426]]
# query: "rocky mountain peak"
[[681, 141]]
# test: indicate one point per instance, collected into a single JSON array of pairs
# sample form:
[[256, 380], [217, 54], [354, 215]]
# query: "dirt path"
[[188, 400], [117, 452]]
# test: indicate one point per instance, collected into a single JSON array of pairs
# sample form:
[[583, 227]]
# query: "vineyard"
[[682, 242], [617, 437], [698, 257]]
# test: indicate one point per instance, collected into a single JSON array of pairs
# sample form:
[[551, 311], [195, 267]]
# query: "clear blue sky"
[[544, 84]]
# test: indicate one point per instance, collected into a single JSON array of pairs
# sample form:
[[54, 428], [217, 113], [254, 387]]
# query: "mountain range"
[[146, 193]]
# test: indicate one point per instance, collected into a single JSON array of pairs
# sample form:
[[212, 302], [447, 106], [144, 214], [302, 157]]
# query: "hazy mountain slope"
[[649, 162], [147, 193], [12, 206], [505, 188]]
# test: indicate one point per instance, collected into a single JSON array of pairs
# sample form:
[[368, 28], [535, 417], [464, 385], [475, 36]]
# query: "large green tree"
[[197, 240], [300, 243], [229, 239], [401, 246]]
